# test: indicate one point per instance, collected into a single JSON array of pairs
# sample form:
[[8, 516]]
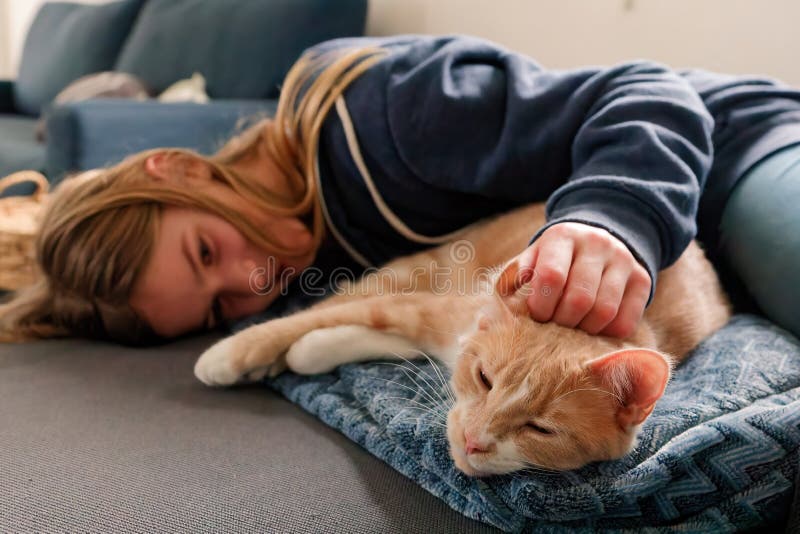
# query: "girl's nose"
[[233, 278], [248, 266]]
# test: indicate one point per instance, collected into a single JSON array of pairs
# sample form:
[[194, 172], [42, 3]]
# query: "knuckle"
[[579, 301], [551, 276], [581, 285], [598, 238], [605, 312], [640, 279], [621, 253], [614, 289], [558, 230]]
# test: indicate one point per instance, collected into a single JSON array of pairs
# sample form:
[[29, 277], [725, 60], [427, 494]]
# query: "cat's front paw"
[[236, 359], [217, 365]]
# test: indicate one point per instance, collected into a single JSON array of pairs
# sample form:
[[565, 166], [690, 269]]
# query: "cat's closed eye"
[[539, 429], [484, 379]]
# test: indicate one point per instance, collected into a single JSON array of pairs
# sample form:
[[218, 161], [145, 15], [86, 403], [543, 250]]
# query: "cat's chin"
[[465, 467]]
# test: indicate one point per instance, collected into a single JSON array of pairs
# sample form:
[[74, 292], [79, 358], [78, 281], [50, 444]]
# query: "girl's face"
[[203, 270]]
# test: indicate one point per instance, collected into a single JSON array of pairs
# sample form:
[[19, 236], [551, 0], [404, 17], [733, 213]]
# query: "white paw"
[[307, 355], [216, 367]]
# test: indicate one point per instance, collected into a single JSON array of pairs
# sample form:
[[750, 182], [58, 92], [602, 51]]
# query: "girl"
[[381, 147]]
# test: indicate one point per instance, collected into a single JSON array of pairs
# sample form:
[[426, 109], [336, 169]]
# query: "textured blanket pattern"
[[719, 453]]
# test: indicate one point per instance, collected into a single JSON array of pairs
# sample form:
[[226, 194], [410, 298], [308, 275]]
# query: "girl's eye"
[[485, 379], [205, 253], [539, 429]]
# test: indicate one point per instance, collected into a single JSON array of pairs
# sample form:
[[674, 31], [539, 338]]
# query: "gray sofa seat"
[[101, 438], [18, 144]]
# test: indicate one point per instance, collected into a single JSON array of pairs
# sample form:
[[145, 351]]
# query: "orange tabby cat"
[[526, 393]]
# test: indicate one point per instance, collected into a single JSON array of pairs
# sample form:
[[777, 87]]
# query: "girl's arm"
[[624, 149]]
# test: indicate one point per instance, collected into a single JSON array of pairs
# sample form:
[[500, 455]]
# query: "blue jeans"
[[760, 235]]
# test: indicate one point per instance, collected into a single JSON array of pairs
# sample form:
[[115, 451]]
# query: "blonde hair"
[[97, 233]]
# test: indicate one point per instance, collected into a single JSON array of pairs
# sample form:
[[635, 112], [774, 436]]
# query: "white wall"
[[5, 42], [19, 16], [737, 36], [15, 18]]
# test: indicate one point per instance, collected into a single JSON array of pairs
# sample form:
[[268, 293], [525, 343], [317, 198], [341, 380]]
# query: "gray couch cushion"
[[19, 149], [100, 438], [67, 41], [243, 47]]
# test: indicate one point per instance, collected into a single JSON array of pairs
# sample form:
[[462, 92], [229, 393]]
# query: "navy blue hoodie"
[[445, 131]]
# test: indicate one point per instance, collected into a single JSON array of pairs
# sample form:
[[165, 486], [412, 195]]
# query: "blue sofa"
[[243, 48]]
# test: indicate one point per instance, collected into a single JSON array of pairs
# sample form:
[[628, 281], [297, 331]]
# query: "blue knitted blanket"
[[719, 453]]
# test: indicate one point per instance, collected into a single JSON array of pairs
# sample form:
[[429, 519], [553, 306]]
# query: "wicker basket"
[[19, 219]]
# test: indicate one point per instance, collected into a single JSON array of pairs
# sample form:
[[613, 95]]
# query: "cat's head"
[[540, 395]]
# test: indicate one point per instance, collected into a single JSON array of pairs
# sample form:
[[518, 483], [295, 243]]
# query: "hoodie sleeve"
[[625, 148]]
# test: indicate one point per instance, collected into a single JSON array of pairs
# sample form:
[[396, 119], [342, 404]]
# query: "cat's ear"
[[514, 274], [511, 279], [492, 312], [637, 376]]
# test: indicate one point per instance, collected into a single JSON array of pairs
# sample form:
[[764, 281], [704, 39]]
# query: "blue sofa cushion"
[[720, 452], [243, 47], [67, 41], [101, 132], [19, 149]]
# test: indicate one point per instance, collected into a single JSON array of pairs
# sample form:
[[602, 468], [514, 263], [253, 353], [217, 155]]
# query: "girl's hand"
[[584, 277]]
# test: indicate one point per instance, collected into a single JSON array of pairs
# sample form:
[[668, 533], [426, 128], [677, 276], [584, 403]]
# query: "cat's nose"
[[473, 446]]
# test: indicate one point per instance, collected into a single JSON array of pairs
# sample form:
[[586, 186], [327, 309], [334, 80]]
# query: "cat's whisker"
[[421, 389], [439, 411], [536, 468], [434, 405], [561, 382], [420, 421], [417, 420], [431, 423], [435, 400], [442, 379], [528, 471], [421, 372], [421, 406], [440, 415], [434, 420], [436, 410], [412, 390]]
